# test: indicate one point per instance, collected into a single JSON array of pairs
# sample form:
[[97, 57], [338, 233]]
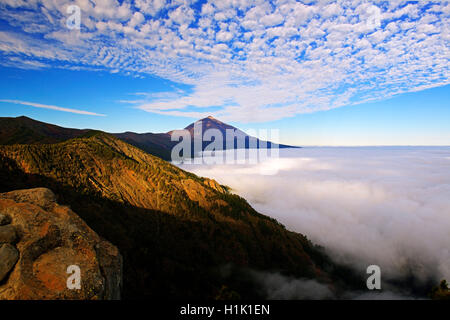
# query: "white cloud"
[[331, 10], [136, 20], [224, 36], [20, 63], [44, 106], [383, 206], [294, 56], [182, 15], [279, 287], [272, 20], [207, 9], [150, 7]]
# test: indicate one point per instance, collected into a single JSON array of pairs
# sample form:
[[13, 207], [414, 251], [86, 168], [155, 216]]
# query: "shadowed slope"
[[158, 144], [23, 130]]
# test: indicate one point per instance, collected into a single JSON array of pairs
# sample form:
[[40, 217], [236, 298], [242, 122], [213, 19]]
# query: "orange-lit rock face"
[[50, 239]]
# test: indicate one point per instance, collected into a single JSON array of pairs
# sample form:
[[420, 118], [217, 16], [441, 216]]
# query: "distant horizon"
[[302, 146], [397, 121]]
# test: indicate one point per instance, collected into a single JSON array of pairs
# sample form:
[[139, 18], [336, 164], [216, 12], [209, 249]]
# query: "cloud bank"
[[279, 287], [385, 206], [254, 60]]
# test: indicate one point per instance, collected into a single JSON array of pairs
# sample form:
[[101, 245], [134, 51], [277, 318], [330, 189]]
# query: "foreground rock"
[[8, 258], [4, 219], [50, 238], [8, 234]]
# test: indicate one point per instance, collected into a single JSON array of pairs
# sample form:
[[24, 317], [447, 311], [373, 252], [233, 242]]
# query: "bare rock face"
[[214, 185], [8, 234], [49, 239], [8, 258]]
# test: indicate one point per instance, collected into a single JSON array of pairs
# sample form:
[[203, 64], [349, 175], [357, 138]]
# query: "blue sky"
[[322, 72]]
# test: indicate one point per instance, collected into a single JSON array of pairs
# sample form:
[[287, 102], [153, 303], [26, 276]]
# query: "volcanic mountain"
[[231, 137], [161, 144], [176, 231], [212, 123]]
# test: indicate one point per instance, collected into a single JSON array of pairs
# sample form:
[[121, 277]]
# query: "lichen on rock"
[[49, 238]]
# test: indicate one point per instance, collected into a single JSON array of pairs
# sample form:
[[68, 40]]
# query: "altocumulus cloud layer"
[[383, 206], [252, 60]]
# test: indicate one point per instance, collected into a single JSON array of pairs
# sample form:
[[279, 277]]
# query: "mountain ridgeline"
[[28, 131], [176, 231], [23, 130], [230, 137]]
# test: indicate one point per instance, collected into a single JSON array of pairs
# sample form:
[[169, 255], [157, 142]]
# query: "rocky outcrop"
[[8, 253], [8, 234], [214, 185], [40, 240], [8, 258]]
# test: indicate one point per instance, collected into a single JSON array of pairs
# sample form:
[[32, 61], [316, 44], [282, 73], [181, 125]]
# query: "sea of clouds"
[[388, 206]]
